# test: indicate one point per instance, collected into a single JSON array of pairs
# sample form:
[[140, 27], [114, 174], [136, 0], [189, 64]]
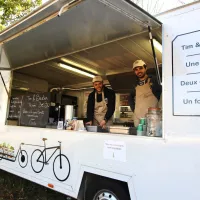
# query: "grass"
[[15, 188]]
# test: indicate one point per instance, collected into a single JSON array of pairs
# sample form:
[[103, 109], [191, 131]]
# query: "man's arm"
[[131, 99], [90, 107], [111, 105], [156, 88]]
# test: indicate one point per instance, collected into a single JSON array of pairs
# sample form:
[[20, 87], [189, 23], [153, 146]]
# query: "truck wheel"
[[106, 190]]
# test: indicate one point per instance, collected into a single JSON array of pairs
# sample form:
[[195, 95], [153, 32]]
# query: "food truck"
[[39, 59]]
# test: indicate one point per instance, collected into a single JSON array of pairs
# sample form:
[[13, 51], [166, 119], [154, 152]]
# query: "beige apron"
[[144, 99], [100, 110]]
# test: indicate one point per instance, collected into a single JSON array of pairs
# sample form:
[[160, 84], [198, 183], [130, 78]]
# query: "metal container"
[[69, 112], [97, 129], [154, 118]]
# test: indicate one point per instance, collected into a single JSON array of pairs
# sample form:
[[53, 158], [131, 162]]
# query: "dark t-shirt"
[[109, 96]]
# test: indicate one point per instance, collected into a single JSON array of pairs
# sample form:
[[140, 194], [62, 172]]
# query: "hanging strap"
[[1, 73], [154, 56], [4, 83]]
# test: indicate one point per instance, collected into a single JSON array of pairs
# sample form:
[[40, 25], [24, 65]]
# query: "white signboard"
[[115, 150], [186, 74]]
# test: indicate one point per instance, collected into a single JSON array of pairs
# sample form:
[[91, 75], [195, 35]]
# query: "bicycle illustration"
[[61, 164], [7, 153]]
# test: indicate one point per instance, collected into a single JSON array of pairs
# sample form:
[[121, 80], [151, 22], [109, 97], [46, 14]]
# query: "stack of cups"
[[142, 128]]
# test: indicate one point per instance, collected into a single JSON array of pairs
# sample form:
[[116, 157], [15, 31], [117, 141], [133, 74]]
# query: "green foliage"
[[13, 10], [2, 27]]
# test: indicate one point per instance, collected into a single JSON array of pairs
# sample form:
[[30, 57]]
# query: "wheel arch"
[[93, 174]]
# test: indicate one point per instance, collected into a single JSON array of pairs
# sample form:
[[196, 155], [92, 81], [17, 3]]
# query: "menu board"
[[14, 108], [186, 74], [35, 110]]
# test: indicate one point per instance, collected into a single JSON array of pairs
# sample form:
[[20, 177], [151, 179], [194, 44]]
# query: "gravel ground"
[[15, 188]]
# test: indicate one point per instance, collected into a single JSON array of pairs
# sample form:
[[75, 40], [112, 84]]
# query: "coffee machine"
[[59, 104]]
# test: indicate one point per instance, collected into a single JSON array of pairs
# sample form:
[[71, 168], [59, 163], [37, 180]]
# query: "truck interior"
[[60, 47]]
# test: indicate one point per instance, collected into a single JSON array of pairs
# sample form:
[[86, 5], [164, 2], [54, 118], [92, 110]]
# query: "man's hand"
[[89, 123], [103, 124]]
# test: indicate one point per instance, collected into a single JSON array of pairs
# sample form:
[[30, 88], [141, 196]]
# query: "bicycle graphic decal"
[[61, 164], [7, 153]]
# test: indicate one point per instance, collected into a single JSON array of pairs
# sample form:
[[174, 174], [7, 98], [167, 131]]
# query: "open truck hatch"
[[105, 36], [87, 24]]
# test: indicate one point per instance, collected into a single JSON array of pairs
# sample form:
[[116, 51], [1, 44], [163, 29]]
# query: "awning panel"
[[88, 24]]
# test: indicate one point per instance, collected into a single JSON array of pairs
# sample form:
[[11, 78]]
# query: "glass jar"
[[154, 118]]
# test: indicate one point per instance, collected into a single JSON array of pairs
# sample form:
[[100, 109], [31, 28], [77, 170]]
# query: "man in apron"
[[145, 94], [101, 104]]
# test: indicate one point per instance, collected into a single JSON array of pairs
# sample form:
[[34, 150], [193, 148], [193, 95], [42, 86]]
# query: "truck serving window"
[[41, 93]]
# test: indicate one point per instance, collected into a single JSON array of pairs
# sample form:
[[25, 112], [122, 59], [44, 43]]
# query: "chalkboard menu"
[[15, 107], [35, 110]]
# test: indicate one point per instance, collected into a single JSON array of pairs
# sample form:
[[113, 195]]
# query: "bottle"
[[143, 122], [140, 130], [153, 121]]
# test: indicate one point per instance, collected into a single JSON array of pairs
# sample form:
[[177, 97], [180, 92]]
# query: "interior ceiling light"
[[21, 88], [157, 45], [76, 70], [73, 63]]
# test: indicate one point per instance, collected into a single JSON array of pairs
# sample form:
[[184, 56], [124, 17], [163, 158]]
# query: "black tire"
[[23, 158], [106, 189], [37, 165], [62, 174]]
